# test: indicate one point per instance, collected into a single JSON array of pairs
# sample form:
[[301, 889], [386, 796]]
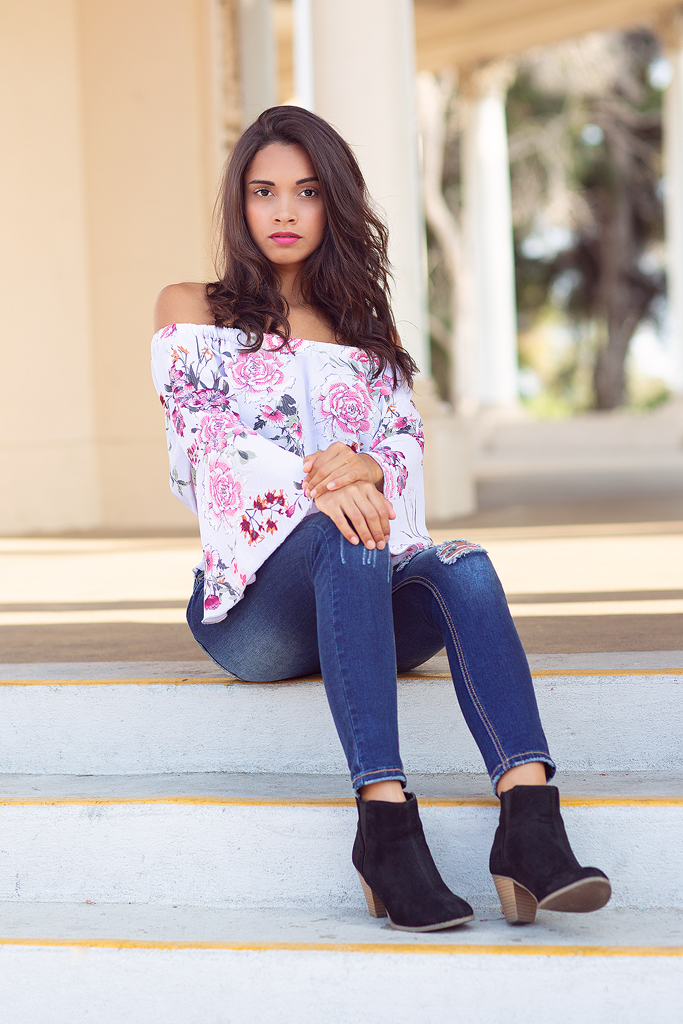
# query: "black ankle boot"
[[532, 862], [399, 877]]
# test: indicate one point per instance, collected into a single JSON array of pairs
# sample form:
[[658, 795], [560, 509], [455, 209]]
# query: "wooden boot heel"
[[375, 905], [518, 904]]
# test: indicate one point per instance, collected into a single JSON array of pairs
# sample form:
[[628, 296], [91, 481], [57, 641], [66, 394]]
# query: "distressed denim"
[[321, 604]]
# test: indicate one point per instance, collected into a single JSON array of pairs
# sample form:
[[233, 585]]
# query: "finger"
[[361, 525], [323, 455], [321, 470], [334, 511], [338, 478], [373, 521]]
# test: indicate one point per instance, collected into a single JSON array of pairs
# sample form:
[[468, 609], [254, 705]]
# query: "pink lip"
[[284, 238]]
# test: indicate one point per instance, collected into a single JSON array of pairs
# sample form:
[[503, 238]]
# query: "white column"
[[258, 57], [488, 244], [673, 195], [355, 66]]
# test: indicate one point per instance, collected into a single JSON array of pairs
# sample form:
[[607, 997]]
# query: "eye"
[[309, 192], [262, 192]]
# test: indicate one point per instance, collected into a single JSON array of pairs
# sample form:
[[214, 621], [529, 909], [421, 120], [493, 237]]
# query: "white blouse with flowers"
[[239, 425]]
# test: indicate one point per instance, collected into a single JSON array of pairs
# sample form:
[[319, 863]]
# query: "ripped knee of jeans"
[[451, 550]]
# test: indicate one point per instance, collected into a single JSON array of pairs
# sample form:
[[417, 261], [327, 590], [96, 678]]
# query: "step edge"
[[567, 801], [356, 947], [553, 673]]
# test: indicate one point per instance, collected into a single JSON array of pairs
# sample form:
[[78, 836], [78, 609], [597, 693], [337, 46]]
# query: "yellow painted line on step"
[[233, 681], [222, 801], [568, 673], [358, 947]]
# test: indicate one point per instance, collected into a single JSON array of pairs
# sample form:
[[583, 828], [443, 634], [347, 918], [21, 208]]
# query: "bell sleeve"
[[397, 447], [246, 490]]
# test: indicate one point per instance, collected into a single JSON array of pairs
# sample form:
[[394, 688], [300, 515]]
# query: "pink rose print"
[[343, 408], [209, 560], [395, 473], [274, 415], [215, 430], [384, 384], [212, 601], [168, 331], [275, 342], [225, 502], [241, 576], [258, 371], [360, 355]]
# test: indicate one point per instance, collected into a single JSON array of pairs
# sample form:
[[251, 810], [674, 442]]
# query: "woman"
[[302, 459]]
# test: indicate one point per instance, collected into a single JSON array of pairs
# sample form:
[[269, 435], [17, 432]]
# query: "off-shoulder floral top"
[[239, 425]]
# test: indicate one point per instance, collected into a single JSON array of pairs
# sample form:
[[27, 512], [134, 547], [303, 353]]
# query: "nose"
[[285, 215]]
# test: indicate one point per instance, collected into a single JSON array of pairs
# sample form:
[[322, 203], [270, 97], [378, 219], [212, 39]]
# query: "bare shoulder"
[[184, 303]]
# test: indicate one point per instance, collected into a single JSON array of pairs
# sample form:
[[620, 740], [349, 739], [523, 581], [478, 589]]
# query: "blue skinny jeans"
[[321, 604]]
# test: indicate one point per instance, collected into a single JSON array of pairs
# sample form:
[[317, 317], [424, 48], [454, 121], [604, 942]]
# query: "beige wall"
[[111, 137], [46, 417], [150, 168]]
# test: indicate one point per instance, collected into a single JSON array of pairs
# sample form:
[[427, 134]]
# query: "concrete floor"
[[585, 576]]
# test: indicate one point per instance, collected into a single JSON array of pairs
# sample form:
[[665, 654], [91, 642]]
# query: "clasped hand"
[[347, 488]]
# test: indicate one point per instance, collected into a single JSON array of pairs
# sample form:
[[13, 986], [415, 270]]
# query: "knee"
[[342, 550], [475, 576]]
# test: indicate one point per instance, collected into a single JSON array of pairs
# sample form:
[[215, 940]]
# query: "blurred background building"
[[529, 160]]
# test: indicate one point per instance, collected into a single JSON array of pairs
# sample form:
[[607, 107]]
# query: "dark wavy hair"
[[346, 279]]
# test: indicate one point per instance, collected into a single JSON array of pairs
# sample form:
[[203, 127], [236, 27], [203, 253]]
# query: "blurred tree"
[[585, 147]]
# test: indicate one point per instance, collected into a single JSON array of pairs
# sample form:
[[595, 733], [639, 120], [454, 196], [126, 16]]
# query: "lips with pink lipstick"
[[284, 237]]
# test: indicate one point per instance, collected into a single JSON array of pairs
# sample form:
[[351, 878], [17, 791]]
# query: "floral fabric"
[[239, 425]]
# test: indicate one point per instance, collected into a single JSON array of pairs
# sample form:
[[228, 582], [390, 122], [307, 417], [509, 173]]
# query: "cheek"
[[254, 217]]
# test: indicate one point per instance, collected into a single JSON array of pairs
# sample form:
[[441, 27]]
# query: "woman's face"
[[283, 206]]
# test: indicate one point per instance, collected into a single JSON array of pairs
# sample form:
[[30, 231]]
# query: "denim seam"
[[528, 757], [509, 762], [379, 771], [461, 659]]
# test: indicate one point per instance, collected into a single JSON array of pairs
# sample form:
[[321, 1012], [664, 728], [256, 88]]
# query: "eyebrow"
[[262, 181]]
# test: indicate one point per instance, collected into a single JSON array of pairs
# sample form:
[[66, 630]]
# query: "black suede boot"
[[399, 877], [532, 862]]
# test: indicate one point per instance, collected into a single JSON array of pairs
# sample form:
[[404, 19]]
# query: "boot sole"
[[377, 909], [519, 905]]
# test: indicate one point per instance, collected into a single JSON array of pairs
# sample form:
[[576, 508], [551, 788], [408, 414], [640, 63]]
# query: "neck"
[[289, 285]]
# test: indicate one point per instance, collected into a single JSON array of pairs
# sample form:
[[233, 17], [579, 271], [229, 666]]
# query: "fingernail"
[[354, 540]]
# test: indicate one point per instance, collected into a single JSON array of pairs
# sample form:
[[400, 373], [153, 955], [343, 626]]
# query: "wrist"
[[375, 472]]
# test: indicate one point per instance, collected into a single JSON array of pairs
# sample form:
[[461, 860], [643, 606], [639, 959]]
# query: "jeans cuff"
[[528, 758], [379, 775]]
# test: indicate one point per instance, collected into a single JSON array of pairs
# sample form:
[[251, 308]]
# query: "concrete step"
[[229, 842], [135, 718], [189, 965]]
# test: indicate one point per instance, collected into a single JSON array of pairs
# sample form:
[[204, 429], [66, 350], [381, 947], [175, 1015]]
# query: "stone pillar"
[[258, 61], [355, 66], [487, 226], [672, 32]]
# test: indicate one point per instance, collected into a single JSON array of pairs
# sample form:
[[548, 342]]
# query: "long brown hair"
[[346, 279]]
